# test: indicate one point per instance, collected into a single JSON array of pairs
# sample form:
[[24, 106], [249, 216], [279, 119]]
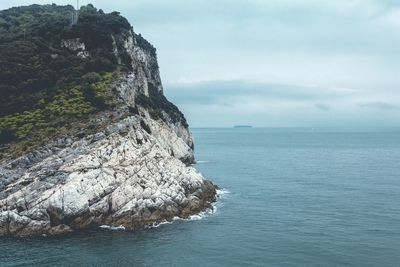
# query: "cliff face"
[[131, 170], [143, 87]]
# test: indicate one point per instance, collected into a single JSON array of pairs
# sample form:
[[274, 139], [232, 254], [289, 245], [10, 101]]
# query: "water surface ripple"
[[298, 197]]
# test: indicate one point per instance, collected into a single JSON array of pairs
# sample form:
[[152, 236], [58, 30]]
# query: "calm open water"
[[298, 197]]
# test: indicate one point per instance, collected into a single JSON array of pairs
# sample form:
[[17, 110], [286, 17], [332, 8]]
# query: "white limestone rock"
[[132, 173], [111, 180]]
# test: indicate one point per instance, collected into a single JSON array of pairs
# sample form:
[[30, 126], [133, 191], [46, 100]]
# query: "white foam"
[[202, 161], [199, 216], [222, 192], [110, 227], [155, 225]]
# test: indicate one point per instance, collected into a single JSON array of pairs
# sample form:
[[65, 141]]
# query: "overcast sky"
[[272, 63]]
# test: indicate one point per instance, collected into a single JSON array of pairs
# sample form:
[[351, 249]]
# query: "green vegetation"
[[44, 87], [50, 91], [69, 106], [32, 63]]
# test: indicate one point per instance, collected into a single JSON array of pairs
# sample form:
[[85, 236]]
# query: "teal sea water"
[[297, 197]]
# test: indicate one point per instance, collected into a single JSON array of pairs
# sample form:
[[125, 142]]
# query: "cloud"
[[231, 102], [378, 105], [275, 62], [217, 91]]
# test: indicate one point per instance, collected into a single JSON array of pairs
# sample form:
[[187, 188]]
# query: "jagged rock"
[[132, 173]]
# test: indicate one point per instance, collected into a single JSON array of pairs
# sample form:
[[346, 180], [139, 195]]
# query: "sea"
[[287, 197]]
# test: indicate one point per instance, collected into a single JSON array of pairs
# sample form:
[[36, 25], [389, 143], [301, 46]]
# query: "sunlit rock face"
[[134, 172]]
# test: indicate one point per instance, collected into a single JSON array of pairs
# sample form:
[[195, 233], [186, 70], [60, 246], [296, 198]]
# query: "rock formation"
[[133, 171]]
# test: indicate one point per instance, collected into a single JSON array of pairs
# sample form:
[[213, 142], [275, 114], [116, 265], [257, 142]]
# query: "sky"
[[272, 63]]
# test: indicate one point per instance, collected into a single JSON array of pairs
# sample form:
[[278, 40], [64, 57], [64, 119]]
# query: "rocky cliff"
[[128, 162]]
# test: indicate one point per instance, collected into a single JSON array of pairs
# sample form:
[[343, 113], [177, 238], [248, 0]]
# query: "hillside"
[[87, 136], [55, 74]]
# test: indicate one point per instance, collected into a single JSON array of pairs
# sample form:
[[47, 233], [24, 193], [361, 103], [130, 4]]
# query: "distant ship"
[[242, 126]]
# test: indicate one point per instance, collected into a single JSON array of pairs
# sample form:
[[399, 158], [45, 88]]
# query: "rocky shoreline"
[[135, 170], [122, 176]]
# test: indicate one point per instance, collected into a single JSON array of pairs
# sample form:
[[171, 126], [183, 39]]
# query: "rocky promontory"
[[120, 156]]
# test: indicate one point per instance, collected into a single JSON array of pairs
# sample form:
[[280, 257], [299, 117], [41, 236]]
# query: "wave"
[[202, 161], [194, 217], [110, 227], [222, 192]]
